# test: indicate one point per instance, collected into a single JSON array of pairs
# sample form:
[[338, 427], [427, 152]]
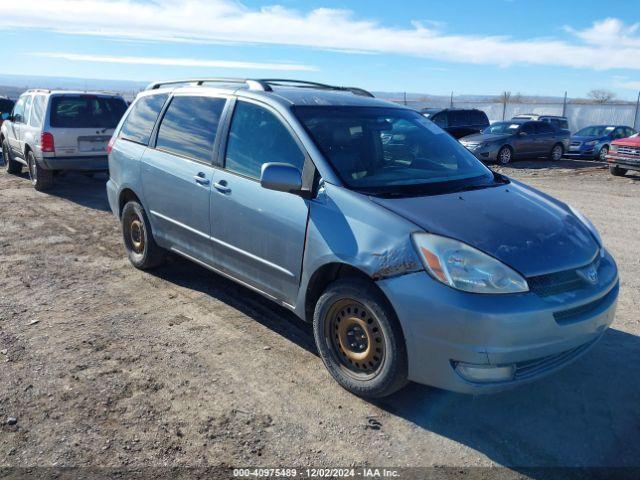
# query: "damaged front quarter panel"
[[394, 262]]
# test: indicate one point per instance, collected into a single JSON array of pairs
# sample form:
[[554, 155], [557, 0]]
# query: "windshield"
[[86, 111], [502, 128], [595, 131], [391, 150]]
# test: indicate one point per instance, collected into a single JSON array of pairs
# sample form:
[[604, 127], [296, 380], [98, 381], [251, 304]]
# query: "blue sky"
[[535, 47]]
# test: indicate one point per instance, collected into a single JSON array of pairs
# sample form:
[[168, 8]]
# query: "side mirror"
[[281, 177]]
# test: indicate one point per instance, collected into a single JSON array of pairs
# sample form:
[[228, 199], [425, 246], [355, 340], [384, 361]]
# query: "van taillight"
[[112, 140], [46, 142]]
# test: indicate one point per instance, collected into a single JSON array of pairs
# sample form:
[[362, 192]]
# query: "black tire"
[[602, 154], [616, 171], [505, 156], [556, 153], [41, 178], [142, 250], [13, 167], [384, 369]]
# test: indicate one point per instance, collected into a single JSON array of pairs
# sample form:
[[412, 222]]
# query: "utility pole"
[[405, 98], [451, 103], [564, 105], [635, 118]]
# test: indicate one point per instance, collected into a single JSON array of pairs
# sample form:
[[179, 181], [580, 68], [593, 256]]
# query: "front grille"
[[471, 146], [560, 282], [531, 368], [631, 151]]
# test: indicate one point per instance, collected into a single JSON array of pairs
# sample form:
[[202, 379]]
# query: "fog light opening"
[[485, 373]]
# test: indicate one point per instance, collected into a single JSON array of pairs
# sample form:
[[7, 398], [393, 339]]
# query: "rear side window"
[[257, 136], [140, 121], [189, 127], [528, 128], [459, 118], [440, 119], [86, 111], [37, 113], [478, 118], [544, 127]]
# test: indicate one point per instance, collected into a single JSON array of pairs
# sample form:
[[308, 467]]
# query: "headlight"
[[463, 267], [591, 143], [590, 226]]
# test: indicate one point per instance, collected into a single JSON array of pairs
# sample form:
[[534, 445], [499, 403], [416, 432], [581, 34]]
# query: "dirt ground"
[[103, 365]]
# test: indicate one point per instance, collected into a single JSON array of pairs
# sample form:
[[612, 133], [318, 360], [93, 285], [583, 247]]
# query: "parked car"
[[456, 121], [555, 120], [6, 106], [624, 155], [51, 130], [412, 259], [593, 142], [503, 142]]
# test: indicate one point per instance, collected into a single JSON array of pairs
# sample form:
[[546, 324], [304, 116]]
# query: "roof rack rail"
[[47, 90], [252, 84], [305, 84], [262, 84]]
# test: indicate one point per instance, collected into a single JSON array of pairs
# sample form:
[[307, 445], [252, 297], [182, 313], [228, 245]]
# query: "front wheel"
[[504, 156], [142, 250], [616, 171], [602, 155], [13, 167], [359, 339], [41, 178], [556, 153]]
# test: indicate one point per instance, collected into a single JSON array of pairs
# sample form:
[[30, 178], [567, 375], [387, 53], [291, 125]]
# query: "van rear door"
[[82, 124]]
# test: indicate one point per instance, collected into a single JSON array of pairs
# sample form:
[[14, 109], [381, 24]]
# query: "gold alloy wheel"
[[355, 337], [136, 233]]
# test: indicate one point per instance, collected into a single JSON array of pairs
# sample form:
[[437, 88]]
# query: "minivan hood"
[[524, 228]]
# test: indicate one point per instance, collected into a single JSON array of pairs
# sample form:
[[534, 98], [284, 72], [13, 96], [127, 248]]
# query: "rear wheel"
[[41, 178], [504, 156], [359, 339], [13, 167], [556, 153], [602, 155], [617, 171], [142, 250]]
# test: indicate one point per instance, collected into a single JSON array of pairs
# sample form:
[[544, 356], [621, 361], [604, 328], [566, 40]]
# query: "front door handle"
[[200, 179], [221, 186]]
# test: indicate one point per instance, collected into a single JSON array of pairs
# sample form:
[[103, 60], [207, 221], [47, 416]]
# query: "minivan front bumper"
[[531, 335]]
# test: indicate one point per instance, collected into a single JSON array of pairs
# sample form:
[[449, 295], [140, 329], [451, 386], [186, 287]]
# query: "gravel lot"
[[104, 365]]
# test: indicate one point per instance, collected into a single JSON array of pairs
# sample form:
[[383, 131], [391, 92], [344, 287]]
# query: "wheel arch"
[[127, 195], [328, 273]]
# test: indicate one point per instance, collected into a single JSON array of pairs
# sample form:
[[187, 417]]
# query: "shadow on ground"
[[585, 415], [88, 190]]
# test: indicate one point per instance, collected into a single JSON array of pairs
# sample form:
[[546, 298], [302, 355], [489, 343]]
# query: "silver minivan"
[[53, 130], [412, 260]]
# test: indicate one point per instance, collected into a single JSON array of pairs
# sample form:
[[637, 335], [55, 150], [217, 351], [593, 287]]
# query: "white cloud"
[[626, 83], [175, 62], [606, 44]]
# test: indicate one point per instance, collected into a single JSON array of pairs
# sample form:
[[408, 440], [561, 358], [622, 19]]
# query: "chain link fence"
[[579, 114]]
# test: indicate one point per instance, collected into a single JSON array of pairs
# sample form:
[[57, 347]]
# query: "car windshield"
[[595, 131], [502, 128], [86, 111], [392, 151]]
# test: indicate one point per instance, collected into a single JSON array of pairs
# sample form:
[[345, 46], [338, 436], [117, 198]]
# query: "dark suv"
[[457, 122]]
